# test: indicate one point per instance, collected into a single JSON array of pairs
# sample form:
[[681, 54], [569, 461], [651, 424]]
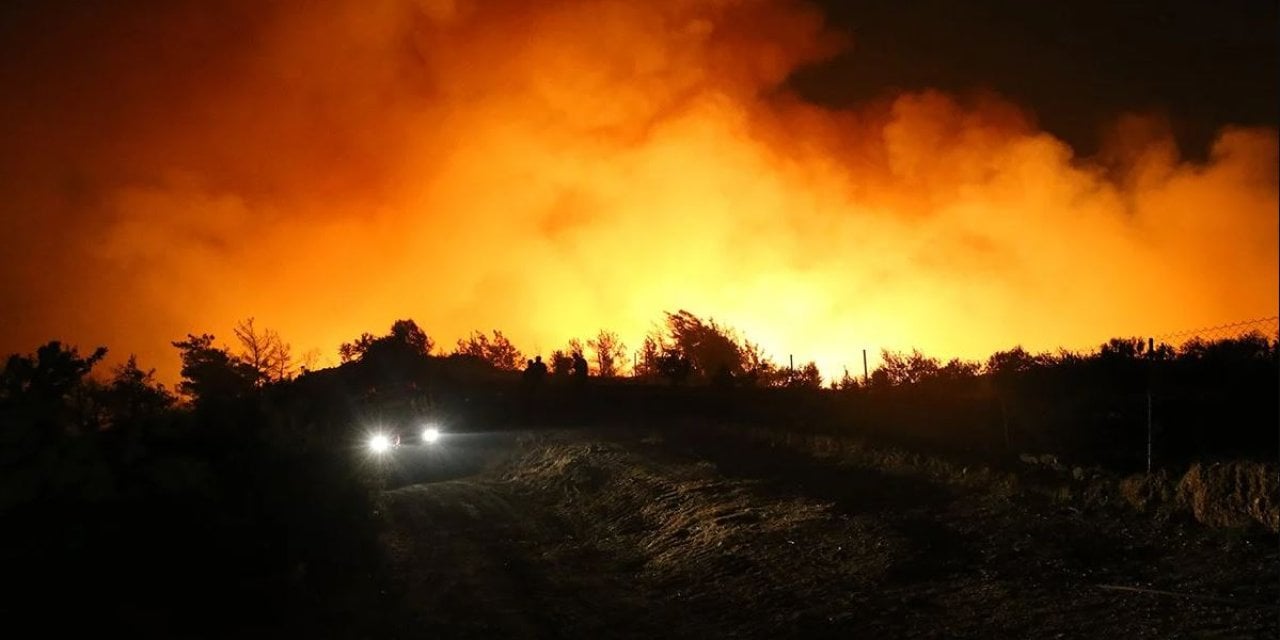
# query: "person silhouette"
[[539, 369], [580, 368]]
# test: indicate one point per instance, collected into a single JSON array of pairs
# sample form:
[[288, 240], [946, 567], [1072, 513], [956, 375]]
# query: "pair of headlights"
[[381, 442]]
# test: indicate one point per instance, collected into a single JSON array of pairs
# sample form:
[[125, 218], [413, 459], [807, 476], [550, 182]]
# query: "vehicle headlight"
[[379, 443], [430, 434]]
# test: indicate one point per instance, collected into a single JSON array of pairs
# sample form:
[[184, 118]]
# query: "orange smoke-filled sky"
[[556, 167]]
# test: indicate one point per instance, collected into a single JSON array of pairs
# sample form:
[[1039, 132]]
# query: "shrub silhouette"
[[497, 351], [211, 376]]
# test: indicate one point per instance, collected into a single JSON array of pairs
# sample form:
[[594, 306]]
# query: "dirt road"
[[576, 536]]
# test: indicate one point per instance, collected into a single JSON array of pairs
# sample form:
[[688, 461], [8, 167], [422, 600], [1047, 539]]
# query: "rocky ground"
[[635, 535]]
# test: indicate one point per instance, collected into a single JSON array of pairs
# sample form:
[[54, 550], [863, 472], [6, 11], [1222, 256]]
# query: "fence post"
[[1004, 422], [1150, 363], [1148, 429]]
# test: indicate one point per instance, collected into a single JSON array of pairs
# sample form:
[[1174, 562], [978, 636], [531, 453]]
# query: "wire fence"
[[1268, 327]]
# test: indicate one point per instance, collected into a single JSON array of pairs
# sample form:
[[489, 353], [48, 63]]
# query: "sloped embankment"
[[1221, 494], [694, 534], [570, 538], [1236, 495], [716, 551]]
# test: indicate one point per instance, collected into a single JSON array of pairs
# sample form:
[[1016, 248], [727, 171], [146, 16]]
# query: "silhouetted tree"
[[47, 389], [50, 374], [1064, 358], [133, 394], [406, 341], [211, 375], [1122, 349], [806, 377], [354, 350], [264, 350], [408, 333], [1249, 347], [956, 370], [1163, 351], [706, 351], [310, 361], [674, 366], [650, 351], [707, 346], [757, 368], [847, 382], [498, 351], [1017, 360], [911, 368], [609, 351], [561, 363]]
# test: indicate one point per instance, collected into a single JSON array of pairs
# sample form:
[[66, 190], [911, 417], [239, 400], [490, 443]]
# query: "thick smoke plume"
[[550, 168]]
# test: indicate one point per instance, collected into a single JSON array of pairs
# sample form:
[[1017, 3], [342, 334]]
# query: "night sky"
[[1075, 63]]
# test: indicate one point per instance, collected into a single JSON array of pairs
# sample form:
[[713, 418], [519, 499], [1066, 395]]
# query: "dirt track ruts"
[[677, 536]]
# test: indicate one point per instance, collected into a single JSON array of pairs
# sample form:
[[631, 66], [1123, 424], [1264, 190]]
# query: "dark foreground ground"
[[644, 536]]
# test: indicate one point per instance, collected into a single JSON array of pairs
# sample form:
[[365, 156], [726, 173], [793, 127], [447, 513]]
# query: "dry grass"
[[707, 541], [680, 514], [1228, 495], [691, 533], [859, 452], [1152, 494]]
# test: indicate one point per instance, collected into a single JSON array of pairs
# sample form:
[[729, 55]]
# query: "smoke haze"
[[556, 167]]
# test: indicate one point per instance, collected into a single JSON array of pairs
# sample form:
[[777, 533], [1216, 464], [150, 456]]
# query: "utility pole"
[[866, 379]]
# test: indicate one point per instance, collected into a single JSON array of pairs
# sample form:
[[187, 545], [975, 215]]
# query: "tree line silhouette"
[[683, 351]]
